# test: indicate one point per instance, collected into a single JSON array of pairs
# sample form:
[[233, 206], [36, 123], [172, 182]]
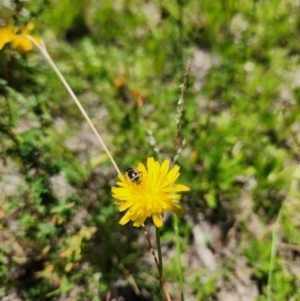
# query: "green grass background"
[[125, 60]]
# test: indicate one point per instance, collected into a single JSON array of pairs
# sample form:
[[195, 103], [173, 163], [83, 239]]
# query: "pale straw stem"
[[45, 53]]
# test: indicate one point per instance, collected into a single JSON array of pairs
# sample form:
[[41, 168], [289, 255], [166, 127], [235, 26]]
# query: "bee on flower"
[[134, 175], [148, 192]]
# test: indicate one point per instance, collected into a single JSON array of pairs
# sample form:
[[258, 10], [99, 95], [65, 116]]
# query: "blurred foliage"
[[125, 60]]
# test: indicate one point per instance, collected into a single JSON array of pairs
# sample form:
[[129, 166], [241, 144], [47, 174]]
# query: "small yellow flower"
[[154, 193], [18, 41]]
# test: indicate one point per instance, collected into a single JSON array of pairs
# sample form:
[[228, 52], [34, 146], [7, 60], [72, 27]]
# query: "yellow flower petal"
[[165, 167], [141, 167], [30, 26], [125, 219], [153, 194], [177, 187], [7, 34], [157, 220], [173, 174], [177, 210], [125, 206], [21, 44], [26, 29]]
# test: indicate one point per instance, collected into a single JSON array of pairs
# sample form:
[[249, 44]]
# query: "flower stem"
[[45, 53], [157, 232], [157, 264], [178, 253], [273, 255]]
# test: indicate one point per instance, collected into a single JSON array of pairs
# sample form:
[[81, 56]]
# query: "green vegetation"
[[239, 148]]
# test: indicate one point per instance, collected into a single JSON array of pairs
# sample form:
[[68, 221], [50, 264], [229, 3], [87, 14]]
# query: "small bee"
[[134, 175]]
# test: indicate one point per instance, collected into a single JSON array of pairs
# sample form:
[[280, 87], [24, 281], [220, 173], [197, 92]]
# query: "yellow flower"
[[150, 195], [18, 41]]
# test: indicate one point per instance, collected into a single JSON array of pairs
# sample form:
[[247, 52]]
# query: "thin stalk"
[[157, 232], [45, 53], [157, 264], [180, 23], [9, 110], [178, 255], [272, 257]]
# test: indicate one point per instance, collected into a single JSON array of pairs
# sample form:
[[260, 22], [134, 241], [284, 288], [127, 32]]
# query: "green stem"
[[273, 253], [178, 255], [159, 260], [159, 266]]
